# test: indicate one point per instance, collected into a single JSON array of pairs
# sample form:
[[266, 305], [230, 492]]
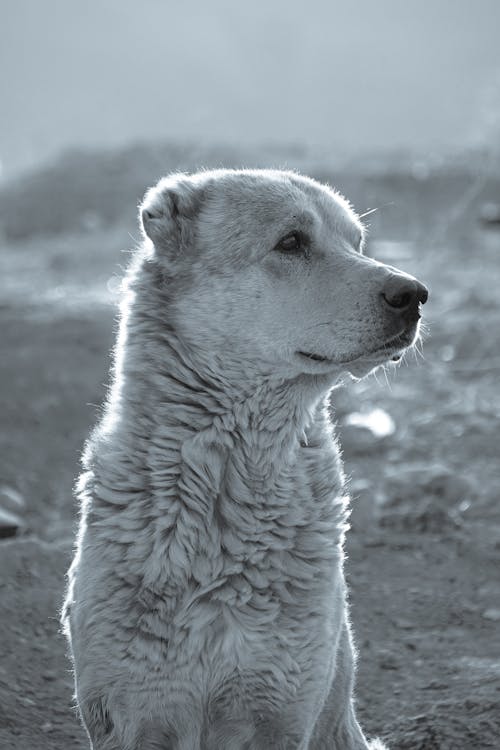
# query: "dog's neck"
[[160, 405], [158, 385], [161, 385], [186, 454]]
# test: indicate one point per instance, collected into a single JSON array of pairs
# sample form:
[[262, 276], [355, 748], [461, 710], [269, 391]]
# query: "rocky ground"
[[420, 445]]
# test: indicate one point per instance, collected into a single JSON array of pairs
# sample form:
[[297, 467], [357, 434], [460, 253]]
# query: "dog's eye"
[[292, 243]]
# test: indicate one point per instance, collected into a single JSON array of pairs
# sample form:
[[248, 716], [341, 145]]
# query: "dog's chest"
[[256, 598], [262, 627], [269, 583]]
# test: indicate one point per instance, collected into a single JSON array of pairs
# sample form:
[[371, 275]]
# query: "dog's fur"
[[206, 606]]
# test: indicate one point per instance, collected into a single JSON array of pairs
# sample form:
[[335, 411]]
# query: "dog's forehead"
[[336, 212], [272, 196]]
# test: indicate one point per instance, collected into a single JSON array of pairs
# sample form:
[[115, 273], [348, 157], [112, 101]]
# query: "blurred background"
[[396, 104], [347, 79]]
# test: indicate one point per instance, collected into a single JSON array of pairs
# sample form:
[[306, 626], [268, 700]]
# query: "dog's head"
[[266, 268]]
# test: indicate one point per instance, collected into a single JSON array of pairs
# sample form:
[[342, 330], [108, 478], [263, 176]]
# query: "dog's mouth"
[[395, 347], [392, 349], [314, 357]]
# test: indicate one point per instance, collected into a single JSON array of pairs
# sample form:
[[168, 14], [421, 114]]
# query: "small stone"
[[493, 613], [26, 701], [377, 421], [403, 624], [49, 675], [436, 685], [470, 704], [489, 213], [10, 523], [387, 660], [47, 727], [419, 719]]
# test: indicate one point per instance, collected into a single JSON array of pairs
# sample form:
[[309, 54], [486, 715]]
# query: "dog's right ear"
[[167, 213]]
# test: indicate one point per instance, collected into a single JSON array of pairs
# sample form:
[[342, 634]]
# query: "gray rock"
[[493, 613], [12, 507], [489, 213], [10, 523], [387, 660]]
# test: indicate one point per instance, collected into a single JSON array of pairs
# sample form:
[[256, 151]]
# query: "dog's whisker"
[[370, 211], [388, 382]]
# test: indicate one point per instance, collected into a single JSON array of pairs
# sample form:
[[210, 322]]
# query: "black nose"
[[402, 292]]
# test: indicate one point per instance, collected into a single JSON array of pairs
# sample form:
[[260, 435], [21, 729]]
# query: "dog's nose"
[[403, 292]]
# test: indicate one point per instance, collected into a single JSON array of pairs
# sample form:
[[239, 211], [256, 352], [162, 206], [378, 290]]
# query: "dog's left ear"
[[167, 213]]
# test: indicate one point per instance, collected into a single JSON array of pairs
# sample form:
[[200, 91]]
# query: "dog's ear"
[[167, 213]]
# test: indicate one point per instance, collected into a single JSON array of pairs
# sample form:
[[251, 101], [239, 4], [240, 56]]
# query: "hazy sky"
[[346, 76]]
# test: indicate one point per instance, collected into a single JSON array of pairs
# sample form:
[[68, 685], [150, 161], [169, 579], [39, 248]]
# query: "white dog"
[[207, 605]]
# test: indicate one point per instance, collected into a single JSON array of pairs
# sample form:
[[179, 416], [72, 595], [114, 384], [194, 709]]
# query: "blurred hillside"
[[86, 190]]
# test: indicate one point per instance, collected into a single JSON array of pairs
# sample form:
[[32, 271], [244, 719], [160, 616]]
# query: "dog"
[[206, 605]]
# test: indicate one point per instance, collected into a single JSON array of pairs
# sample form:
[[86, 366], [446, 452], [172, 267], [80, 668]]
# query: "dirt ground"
[[424, 548]]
